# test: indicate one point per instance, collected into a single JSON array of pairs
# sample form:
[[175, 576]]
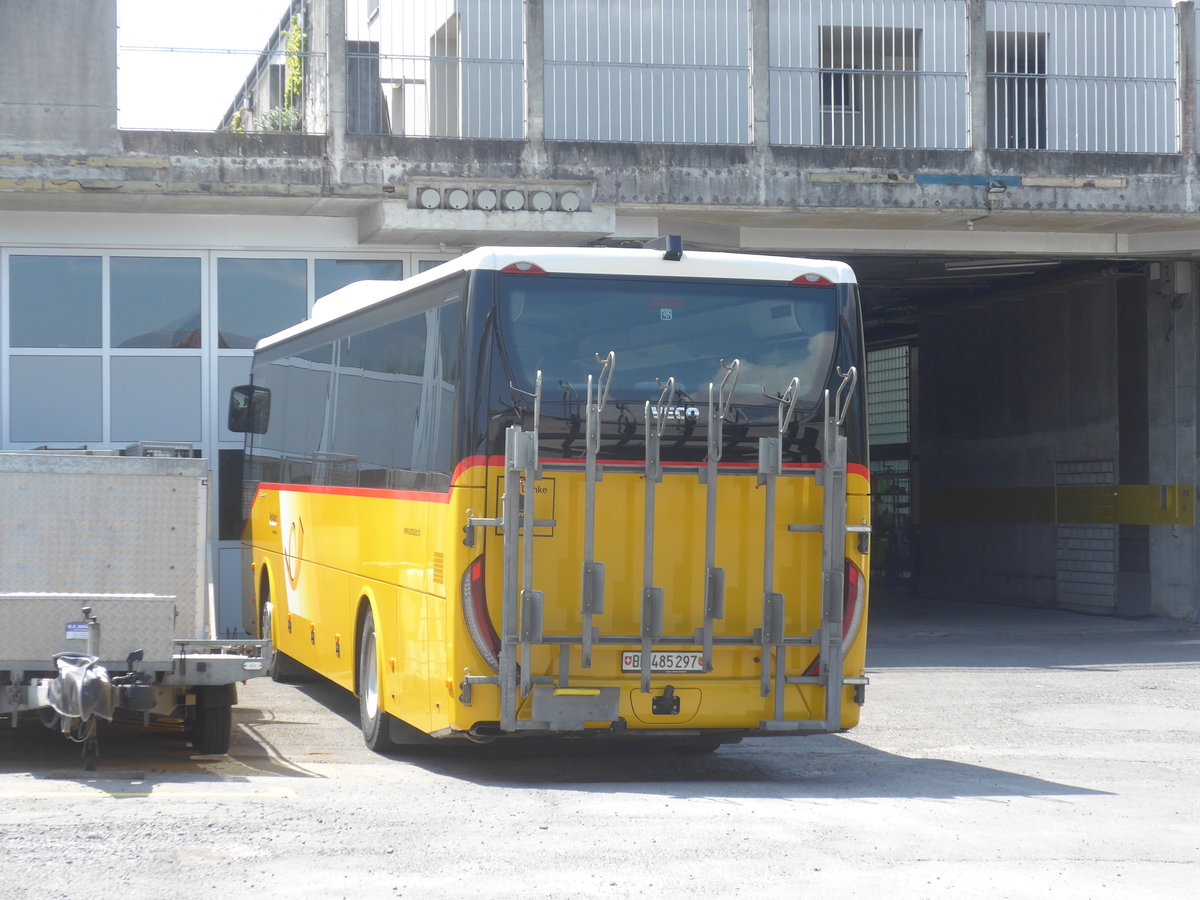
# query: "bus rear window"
[[660, 330]]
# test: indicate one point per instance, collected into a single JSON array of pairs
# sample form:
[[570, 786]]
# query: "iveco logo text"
[[675, 413]]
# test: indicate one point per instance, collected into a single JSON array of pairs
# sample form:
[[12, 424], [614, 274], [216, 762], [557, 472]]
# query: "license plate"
[[663, 661]]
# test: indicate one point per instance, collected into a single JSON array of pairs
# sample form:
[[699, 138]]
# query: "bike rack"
[[714, 578], [593, 571], [557, 706]]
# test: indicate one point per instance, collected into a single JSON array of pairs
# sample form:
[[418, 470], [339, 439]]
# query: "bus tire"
[[281, 667], [376, 724]]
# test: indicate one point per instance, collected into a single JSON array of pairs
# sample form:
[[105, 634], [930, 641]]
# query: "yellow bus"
[[586, 492]]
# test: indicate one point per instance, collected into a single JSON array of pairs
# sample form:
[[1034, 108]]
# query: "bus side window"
[[249, 409], [445, 386]]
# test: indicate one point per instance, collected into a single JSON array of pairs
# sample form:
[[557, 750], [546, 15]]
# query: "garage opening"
[[1011, 403]]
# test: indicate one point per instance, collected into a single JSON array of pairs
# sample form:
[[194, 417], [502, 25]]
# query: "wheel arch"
[[265, 588], [366, 602]]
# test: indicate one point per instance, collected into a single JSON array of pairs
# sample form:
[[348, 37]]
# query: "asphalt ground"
[[1003, 752]]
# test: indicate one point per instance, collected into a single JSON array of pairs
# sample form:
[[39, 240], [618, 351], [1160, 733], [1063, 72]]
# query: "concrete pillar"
[[1185, 75], [336, 73], [535, 85], [1185, 49], [58, 76], [1173, 330], [977, 82], [760, 76]]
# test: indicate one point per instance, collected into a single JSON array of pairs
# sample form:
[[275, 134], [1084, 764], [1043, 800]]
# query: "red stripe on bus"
[[473, 461]]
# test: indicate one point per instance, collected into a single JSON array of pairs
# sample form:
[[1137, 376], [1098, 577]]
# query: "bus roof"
[[574, 261]]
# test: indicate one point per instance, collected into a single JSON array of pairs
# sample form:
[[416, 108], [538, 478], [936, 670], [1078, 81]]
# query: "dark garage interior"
[[1013, 404]]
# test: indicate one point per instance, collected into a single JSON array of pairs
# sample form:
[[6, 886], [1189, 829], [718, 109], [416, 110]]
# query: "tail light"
[[812, 279], [523, 268], [855, 595], [475, 614], [853, 601]]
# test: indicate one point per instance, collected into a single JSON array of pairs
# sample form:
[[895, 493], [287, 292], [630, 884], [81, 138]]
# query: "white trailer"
[[106, 605]]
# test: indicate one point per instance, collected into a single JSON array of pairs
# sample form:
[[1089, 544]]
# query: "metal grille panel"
[[860, 73], [436, 68], [648, 70], [888, 395], [1086, 551], [1081, 77]]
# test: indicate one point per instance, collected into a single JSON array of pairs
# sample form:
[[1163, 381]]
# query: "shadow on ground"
[[826, 767], [160, 753]]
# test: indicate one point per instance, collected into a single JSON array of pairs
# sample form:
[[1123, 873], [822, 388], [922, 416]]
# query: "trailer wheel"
[[211, 729], [210, 722], [375, 722]]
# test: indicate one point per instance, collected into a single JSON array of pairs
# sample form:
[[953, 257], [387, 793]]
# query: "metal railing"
[[648, 70], [1055, 75], [1081, 77], [436, 68], [862, 73]]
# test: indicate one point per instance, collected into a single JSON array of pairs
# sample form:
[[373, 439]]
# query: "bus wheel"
[[375, 722], [281, 667]]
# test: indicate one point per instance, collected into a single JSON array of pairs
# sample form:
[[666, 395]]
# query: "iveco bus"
[[588, 492]]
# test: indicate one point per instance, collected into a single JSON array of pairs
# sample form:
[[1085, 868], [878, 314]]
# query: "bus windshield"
[[664, 328]]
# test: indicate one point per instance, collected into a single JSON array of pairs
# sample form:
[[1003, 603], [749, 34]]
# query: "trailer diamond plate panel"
[[106, 524], [37, 626]]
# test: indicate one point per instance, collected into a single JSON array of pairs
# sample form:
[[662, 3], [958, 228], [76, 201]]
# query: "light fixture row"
[[503, 199]]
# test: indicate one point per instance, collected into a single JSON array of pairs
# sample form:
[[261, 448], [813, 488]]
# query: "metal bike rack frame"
[[557, 706]]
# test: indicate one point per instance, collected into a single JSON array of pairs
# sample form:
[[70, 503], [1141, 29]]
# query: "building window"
[[88, 335], [839, 93], [56, 399], [869, 79], [155, 302], [257, 297], [1016, 64], [156, 398], [55, 301], [332, 274]]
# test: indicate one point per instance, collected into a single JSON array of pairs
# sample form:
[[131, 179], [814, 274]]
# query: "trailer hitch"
[[666, 704]]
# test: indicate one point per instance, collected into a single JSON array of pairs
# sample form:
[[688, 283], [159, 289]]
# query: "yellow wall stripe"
[[1123, 504]]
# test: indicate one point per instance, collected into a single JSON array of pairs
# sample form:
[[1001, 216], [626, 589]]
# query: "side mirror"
[[249, 409]]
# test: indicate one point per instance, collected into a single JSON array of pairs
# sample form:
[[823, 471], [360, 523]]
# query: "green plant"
[[296, 41], [280, 118], [289, 116]]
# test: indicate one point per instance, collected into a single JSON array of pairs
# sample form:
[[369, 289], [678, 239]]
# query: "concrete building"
[[1013, 180]]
